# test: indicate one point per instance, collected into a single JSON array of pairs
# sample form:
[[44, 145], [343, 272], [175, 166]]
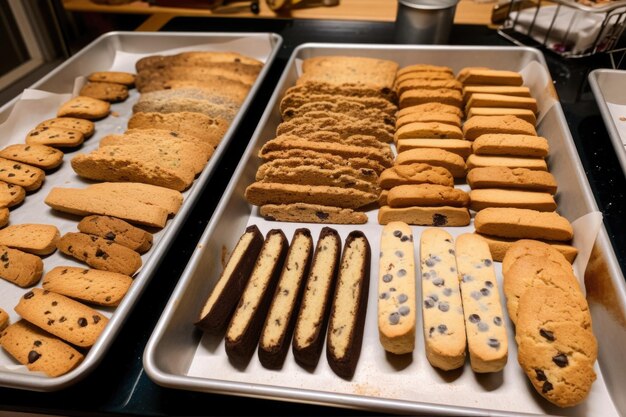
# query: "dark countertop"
[[120, 386]]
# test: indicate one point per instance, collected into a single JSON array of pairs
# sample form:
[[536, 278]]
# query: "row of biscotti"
[[55, 318], [180, 118], [324, 162], [556, 345], [461, 306], [270, 291]]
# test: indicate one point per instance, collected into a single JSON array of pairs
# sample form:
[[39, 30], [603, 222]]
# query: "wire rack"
[[569, 28]]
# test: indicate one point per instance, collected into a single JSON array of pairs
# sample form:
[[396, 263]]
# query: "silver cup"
[[424, 21]]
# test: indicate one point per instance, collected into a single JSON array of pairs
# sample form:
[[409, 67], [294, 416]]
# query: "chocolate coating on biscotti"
[[246, 323], [312, 320], [282, 315], [222, 301], [345, 335]]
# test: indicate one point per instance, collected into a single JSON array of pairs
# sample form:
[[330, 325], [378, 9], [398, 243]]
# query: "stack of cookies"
[[324, 162], [556, 345], [187, 103], [271, 290], [419, 188]]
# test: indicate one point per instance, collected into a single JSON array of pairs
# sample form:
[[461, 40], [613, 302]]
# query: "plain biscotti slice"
[[495, 197], [515, 145], [429, 195], [428, 130], [224, 296], [352, 70], [39, 350], [442, 308], [482, 125], [482, 161], [417, 173], [262, 193], [434, 157], [505, 177], [70, 320], [482, 307], [151, 195], [345, 89], [100, 253], [295, 100], [205, 128], [118, 231], [349, 306], [523, 223], [461, 147], [39, 239], [177, 105], [524, 114], [397, 312]]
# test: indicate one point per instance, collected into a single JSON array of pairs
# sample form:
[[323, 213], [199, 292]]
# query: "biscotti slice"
[[442, 308], [349, 306], [349, 108], [295, 100], [368, 126], [309, 331], [481, 125], [40, 156], [423, 68], [224, 296], [429, 117], [396, 289], [153, 195], [523, 224], [205, 128], [244, 329], [4, 320], [495, 197], [100, 253], [21, 268], [425, 216], [482, 308], [191, 93], [117, 164], [11, 195], [430, 107], [352, 70], [84, 202], [421, 96], [500, 245], [54, 136], [118, 231], [90, 285], [325, 163], [39, 239], [111, 92], [485, 76], [481, 161], [500, 100], [311, 213], [430, 195], [196, 58], [461, 147], [417, 173], [38, 350], [524, 114], [84, 108], [518, 91], [184, 72], [505, 177], [281, 317], [117, 77], [428, 130], [345, 89], [435, 157], [359, 162], [556, 346], [533, 271], [70, 320], [524, 247], [26, 176], [426, 84], [86, 127], [307, 126], [515, 145], [262, 193], [178, 104], [424, 76]]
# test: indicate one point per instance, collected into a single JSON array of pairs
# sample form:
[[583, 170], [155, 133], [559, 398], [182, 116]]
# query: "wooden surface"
[[467, 12]]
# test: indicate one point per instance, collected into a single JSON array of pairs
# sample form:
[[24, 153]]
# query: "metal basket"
[[567, 27]]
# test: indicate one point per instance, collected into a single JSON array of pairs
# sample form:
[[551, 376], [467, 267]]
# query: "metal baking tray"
[[180, 356], [609, 89], [98, 56]]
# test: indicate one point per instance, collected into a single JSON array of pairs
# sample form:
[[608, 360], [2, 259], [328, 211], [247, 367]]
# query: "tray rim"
[[95, 355], [213, 385], [594, 82]]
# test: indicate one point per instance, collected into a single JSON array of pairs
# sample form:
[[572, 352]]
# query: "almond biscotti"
[[523, 223], [524, 199], [430, 107], [461, 147], [338, 164], [286, 153], [428, 130], [435, 157], [481, 125], [379, 73], [425, 84], [443, 95], [514, 145], [417, 173], [196, 58], [179, 104], [524, 114], [501, 100]]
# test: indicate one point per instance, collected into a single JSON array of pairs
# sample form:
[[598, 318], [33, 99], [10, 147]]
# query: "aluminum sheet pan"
[[180, 356], [609, 89], [100, 55]]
